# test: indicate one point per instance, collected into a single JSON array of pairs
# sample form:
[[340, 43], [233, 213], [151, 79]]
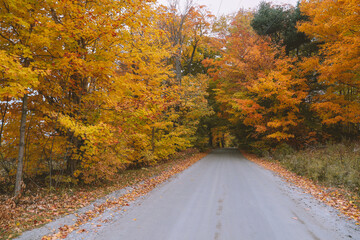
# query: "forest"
[[90, 88]]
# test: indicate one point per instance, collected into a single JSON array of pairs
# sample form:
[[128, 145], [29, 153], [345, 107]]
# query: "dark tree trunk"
[[210, 139], [20, 165]]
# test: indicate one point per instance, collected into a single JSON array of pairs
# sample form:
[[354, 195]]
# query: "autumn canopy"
[[90, 88]]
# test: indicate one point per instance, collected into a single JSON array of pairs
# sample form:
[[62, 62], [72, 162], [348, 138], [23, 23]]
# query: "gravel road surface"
[[222, 197]]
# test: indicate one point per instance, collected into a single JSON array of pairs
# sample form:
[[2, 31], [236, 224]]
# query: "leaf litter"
[[41, 207], [342, 200]]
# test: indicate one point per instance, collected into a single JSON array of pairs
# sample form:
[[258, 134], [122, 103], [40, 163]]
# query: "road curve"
[[223, 197]]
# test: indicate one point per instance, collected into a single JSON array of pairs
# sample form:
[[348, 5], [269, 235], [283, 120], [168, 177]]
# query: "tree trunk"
[[3, 120], [19, 171], [178, 69], [192, 57], [153, 139], [223, 141], [210, 138], [2, 158]]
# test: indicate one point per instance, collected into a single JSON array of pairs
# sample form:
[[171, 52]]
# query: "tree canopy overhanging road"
[[103, 94]]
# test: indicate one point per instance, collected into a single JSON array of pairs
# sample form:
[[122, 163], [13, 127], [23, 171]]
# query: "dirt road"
[[223, 197]]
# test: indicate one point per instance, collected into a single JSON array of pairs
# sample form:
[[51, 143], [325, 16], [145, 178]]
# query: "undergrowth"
[[336, 165]]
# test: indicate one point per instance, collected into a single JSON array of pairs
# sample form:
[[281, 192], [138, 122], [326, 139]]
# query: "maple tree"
[[100, 94], [187, 29], [107, 75], [257, 88], [335, 26], [18, 76]]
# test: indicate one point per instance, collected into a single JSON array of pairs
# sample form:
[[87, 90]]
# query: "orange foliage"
[[257, 86], [335, 25]]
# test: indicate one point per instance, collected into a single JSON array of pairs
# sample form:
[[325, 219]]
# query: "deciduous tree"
[[335, 25]]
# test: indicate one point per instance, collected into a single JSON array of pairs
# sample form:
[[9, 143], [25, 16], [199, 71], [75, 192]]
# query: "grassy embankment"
[[333, 165], [330, 173]]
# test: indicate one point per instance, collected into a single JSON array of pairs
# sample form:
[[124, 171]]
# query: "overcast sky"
[[219, 7]]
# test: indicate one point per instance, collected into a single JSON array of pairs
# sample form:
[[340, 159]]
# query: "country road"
[[224, 197]]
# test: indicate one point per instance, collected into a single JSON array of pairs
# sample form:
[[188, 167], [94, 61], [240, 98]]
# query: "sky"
[[219, 7]]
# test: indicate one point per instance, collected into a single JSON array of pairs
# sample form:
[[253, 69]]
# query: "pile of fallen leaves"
[[41, 207], [340, 199], [38, 209]]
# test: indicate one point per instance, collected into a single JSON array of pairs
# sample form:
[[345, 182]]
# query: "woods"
[[92, 88], [275, 90]]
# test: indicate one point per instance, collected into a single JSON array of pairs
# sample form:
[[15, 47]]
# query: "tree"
[[107, 59], [102, 63], [174, 20], [279, 22], [334, 25], [187, 29], [19, 21], [257, 86]]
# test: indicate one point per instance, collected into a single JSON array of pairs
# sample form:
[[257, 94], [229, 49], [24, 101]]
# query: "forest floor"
[[40, 206]]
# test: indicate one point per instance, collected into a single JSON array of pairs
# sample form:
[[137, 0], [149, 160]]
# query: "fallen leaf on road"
[[81, 231]]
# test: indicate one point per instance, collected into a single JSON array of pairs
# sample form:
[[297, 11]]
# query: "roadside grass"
[[330, 173], [40, 206], [332, 165]]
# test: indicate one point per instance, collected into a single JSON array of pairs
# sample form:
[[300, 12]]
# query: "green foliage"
[[269, 20], [279, 22], [283, 150]]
